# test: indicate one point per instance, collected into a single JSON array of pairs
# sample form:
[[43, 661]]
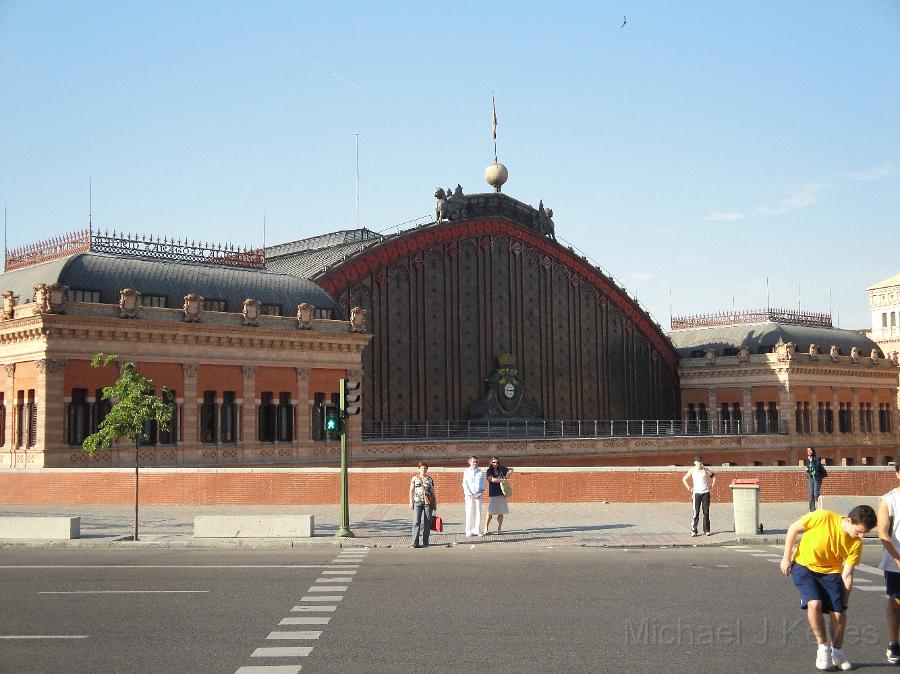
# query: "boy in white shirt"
[[702, 479]]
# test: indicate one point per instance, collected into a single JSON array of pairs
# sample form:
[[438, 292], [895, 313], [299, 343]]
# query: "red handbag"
[[437, 524]]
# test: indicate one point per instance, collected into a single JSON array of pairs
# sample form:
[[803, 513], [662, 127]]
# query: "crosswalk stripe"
[[870, 569], [324, 597], [333, 580], [282, 652], [314, 609], [270, 669], [306, 620], [328, 588], [861, 580], [294, 635], [348, 572], [872, 588]]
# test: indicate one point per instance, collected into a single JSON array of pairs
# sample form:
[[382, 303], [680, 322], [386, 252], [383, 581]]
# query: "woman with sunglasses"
[[497, 505]]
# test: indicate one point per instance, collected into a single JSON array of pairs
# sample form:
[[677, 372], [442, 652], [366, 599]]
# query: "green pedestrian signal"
[[331, 421]]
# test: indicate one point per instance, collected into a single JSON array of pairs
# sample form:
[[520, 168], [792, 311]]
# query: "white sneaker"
[[823, 659], [840, 661]]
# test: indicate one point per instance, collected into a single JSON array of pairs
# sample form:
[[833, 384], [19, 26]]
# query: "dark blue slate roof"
[[762, 338], [110, 273]]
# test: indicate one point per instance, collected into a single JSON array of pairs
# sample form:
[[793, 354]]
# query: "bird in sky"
[[624, 21]]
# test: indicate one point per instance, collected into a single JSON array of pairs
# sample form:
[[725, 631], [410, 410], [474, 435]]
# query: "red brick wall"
[[290, 486]]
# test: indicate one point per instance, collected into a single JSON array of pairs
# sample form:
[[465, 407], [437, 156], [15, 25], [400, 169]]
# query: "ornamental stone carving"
[[193, 306], [49, 365], [190, 369], [813, 352], [710, 357], [834, 352], [10, 370], [357, 319], [128, 303], [854, 354], [785, 352], [251, 311], [874, 355], [895, 358], [248, 371], [305, 313], [9, 305], [744, 354], [49, 298], [303, 373]]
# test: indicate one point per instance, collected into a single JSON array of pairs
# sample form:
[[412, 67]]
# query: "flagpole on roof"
[[494, 125]]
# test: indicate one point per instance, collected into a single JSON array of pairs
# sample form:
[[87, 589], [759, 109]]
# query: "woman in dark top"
[[496, 500], [814, 474]]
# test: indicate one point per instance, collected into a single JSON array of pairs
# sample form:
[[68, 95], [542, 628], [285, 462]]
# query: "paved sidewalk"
[[590, 524]]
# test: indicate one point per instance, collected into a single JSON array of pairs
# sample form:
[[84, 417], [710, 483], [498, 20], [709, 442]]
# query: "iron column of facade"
[[344, 527]]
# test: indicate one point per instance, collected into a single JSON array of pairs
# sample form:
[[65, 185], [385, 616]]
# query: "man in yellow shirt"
[[822, 569]]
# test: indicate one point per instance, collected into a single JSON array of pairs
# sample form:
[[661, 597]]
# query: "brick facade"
[[272, 486]]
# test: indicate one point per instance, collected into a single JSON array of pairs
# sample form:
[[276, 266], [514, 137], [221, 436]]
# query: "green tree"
[[134, 404]]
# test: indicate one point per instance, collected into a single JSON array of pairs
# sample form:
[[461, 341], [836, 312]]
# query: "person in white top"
[[702, 479], [473, 484], [889, 533]]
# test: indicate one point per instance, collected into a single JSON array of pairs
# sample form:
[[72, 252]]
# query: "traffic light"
[[351, 397], [331, 421]]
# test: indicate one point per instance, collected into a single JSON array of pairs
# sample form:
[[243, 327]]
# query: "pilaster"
[[302, 430], [190, 426], [248, 409]]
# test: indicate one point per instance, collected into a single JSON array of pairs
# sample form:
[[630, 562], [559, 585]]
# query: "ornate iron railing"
[[479, 429], [751, 316], [134, 245]]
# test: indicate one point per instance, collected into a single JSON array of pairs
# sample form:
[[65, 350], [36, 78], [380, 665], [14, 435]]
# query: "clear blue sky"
[[694, 153]]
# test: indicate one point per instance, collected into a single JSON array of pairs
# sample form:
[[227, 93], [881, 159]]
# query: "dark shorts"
[[826, 587], [892, 584]]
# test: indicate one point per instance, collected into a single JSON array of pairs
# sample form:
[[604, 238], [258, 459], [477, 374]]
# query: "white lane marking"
[[306, 620], [124, 592], [322, 597], [865, 568], [270, 669], [314, 609], [333, 580], [169, 566], [282, 652], [774, 561], [861, 580], [348, 572], [763, 554], [328, 588], [43, 636], [872, 588], [294, 635], [736, 547]]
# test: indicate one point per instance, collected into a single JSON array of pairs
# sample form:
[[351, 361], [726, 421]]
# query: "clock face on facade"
[[509, 390]]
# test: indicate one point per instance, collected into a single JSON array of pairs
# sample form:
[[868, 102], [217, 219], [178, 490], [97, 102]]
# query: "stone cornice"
[[81, 328]]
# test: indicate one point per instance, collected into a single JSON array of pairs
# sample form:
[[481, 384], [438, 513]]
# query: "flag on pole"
[[494, 119]]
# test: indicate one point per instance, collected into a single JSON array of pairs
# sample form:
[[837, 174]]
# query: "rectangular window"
[[270, 310], [208, 417], [229, 417], [101, 409], [760, 417], [772, 418], [266, 418], [78, 421], [20, 418], [160, 301], [285, 418], [170, 437], [79, 295], [213, 305], [318, 401], [32, 419], [829, 418], [149, 430]]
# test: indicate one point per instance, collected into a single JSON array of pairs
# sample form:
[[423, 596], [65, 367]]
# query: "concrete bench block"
[[253, 526], [844, 504], [40, 527]]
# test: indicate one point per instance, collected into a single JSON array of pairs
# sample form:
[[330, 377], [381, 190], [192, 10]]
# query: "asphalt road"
[[462, 609]]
